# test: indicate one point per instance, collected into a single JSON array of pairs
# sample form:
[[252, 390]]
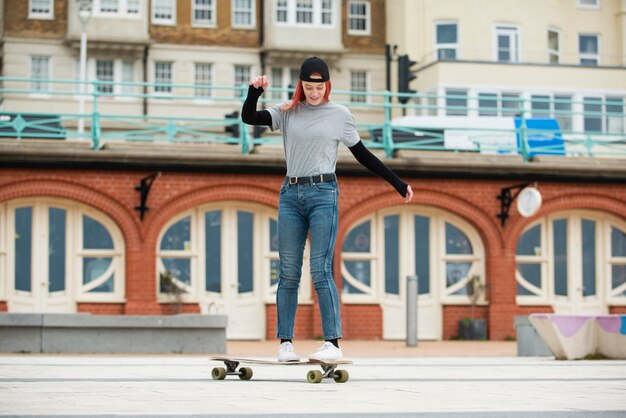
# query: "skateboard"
[[329, 369]]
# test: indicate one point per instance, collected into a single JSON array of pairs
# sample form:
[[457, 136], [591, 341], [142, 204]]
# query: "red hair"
[[298, 95]]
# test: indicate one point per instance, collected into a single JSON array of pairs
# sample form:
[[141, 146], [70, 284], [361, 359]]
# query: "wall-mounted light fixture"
[[144, 190], [528, 203]]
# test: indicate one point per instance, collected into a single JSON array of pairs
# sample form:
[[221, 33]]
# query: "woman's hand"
[[260, 81], [409, 194]]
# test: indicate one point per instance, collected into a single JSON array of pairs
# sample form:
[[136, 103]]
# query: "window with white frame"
[[588, 4], [203, 78], [359, 17], [242, 77], [604, 114], [283, 78], [487, 104], [306, 12], [115, 8], [118, 75], [572, 258], [40, 73], [163, 77], [444, 253], [589, 50], [3, 253], [282, 11], [510, 104], [498, 104], [277, 82], [193, 250], [105, 75], [203, 13], [554, 46], [327, 12], [456, 102], [507, 44], [41, 9], [128, 76], [358, 83], [243, 14], [163, 12], [77, 251], [446, 41]]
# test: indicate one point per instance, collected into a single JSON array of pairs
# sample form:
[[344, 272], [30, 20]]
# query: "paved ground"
[[446, 379]]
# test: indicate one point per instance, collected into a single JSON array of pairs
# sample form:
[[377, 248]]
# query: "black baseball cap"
[[314, 65]]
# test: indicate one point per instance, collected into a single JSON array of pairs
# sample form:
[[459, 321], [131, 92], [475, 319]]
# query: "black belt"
[[314, 179]]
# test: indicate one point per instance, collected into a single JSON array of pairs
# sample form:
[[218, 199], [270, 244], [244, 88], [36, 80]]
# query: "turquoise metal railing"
[[124, 111]]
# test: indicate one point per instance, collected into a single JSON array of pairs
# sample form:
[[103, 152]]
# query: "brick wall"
[[373, 43], [17, 23], [223, 34], [113, 193]]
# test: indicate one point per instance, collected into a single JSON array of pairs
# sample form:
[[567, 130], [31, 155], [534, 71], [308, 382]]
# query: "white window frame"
[[211, 73], [438, 46], [49, 15], [291, 10], [367, 18], [171, 82], [161, 21], [582, 4], [242, 80], [43, 92], [588, 56], [372, 293], [375, 293], [3, 253], [552, 52], [122, 12], [196, 290], [211, 23], [545, 294], [251, 11], [77, 291], [112, 87], [360, 98], [118, 76], [513, 31]]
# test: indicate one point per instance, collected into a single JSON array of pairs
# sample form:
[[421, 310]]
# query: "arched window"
[[382, 249], [574, 261], [55, 252], [225, 257]]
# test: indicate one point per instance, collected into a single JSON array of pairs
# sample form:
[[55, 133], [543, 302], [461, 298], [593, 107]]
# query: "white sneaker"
[[286, 353], [328, 352]]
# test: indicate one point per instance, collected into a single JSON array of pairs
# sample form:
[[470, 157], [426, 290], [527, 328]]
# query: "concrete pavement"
[[444, 379]]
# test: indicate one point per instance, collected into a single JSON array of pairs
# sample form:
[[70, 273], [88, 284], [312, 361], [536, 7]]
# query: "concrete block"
[[529, 342], [577, 336], [85, 333], [20, 333]]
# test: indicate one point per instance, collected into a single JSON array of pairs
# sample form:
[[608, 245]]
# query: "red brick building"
[[455, 194]]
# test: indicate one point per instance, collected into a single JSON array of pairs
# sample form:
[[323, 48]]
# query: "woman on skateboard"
[[312, 127]]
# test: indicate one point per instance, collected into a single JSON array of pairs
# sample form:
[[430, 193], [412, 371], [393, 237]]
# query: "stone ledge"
[[85, 333]]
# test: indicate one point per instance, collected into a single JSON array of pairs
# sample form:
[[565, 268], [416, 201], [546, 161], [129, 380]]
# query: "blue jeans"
[[304, 207]]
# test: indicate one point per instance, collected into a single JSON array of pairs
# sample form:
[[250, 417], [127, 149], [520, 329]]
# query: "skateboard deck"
[[329, 368]]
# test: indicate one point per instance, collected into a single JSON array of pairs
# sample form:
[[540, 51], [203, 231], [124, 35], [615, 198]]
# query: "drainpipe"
[[262, 53], [145, 79]]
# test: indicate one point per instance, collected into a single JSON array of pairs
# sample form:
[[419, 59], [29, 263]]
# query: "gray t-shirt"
[[311, 136]]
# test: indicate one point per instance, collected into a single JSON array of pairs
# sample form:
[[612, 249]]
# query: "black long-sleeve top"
[[251, 116]]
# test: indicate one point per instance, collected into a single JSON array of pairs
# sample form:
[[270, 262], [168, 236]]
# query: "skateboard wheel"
[[218, 373], [341, 376], [246, 373], [314, 376]]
